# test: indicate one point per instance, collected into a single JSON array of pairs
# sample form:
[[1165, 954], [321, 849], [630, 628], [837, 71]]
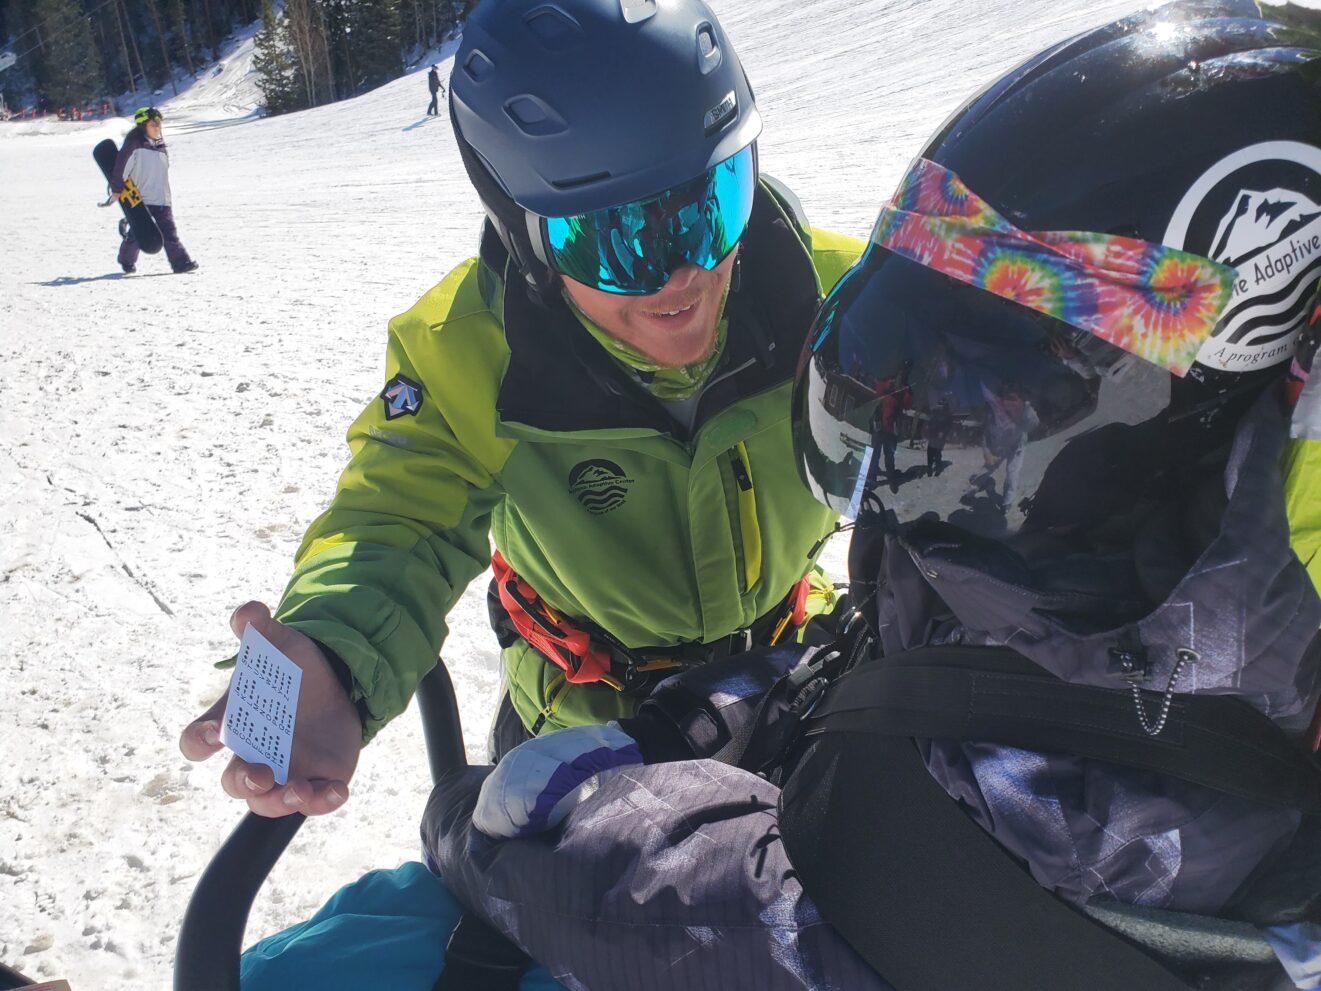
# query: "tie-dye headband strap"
[[1153, 301]]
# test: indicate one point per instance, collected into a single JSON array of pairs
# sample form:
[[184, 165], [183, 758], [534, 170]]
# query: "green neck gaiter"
[[666, 384]]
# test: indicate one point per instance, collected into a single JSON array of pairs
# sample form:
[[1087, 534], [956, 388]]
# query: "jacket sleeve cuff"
[[345, 677], [377, 690]]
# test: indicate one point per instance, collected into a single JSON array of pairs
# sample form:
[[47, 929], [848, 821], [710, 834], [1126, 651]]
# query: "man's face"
[[154, 129], [673, 327]]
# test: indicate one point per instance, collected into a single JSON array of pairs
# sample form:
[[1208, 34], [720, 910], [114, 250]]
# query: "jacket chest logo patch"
[[402, 397], [600, 486]]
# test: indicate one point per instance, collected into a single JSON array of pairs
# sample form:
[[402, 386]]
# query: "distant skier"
[[1011, 419], [437, 88], [939, 425], [144, 159]]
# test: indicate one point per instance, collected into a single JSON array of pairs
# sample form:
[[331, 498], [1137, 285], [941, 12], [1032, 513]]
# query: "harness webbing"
[[585, 653], [922, 892], [998, 696], [568, 647], [477, 958]]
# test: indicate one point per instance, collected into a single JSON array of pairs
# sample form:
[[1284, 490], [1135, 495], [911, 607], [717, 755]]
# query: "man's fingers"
[[325, 796], [281, 800], [247, 781], [201, 738], [255, 784], [253, 612], [310, 798]]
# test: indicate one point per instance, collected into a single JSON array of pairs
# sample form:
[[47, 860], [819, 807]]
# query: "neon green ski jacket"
[[1302, 497], [505, 419]]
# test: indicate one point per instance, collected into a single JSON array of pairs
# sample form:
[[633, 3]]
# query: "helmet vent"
[[478, 67], [534, 116], [554, 28], [637, 11], [580, 181], [708, 48]]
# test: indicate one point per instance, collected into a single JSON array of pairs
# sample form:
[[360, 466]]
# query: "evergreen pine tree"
[[311, 37], [274, 64], [182, 42], [69, 66], [375, 39]]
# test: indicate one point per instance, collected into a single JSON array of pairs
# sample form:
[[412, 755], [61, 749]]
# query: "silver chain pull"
[[1185, 657]]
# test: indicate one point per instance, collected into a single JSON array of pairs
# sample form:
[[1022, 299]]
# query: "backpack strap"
[[998, 696], [942, 904], [477, 958], [924, 894], [792, 207]]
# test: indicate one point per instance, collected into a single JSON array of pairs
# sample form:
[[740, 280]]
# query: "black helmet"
[[566, 107], [1193, 127]]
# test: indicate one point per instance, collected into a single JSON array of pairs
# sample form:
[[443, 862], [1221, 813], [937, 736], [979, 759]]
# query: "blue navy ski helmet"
[[1182, 143], [609, 140]]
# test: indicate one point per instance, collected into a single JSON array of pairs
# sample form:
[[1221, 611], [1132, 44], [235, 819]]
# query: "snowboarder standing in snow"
[[144, 159], [437, 90]]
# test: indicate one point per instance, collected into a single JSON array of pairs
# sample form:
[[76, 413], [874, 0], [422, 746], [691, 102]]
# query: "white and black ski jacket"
[[147, 163]]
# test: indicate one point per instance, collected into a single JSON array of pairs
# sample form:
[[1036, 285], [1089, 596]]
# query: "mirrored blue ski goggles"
[[634, 248]]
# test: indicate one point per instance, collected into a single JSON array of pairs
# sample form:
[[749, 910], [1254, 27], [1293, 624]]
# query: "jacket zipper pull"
[[740, 472]]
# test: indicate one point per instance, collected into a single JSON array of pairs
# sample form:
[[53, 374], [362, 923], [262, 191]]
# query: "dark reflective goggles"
[[633, 249]]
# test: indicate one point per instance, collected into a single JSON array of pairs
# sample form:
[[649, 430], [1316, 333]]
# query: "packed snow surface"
[[165, 440]]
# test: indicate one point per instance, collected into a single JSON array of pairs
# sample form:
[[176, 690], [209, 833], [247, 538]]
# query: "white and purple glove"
[[538, 782]]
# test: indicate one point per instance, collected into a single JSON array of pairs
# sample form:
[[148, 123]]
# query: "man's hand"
[[327, 732]]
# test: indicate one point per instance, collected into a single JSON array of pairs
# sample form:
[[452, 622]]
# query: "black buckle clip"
[[478, 945], [1129, 663]]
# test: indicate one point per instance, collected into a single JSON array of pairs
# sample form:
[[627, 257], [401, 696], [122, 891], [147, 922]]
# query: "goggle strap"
[[536, 232], [1149, 299]]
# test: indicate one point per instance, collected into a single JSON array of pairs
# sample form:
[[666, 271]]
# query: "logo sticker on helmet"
[[717, 115], [402, 397], [599, 485], [1257, 210]]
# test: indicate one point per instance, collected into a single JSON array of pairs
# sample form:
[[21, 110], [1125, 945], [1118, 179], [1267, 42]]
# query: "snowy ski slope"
[[165, 440]]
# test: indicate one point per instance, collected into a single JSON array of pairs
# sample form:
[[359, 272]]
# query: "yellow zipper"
[[747, 515]]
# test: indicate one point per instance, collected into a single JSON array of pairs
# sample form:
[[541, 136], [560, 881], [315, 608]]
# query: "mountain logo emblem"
[[402, 397], [1259, 210], [599, 485]]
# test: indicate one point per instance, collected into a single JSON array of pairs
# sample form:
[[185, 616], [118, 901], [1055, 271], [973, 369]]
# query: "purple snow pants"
[[174, 249]]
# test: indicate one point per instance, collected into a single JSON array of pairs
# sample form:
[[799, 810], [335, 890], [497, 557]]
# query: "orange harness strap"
[[563, 644], [584, 660]]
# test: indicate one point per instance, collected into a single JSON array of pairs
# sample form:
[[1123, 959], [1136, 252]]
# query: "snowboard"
[[144, 228]]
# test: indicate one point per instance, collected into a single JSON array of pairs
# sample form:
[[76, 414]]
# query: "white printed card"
[[263, 698]]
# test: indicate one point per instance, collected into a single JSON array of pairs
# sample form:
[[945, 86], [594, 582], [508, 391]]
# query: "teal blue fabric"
[[387, 931]]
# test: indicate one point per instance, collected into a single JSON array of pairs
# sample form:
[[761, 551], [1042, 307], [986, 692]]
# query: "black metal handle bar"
[[211, 937]]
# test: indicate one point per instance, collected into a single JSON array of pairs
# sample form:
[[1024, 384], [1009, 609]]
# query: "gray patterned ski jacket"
[[147, 163]]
